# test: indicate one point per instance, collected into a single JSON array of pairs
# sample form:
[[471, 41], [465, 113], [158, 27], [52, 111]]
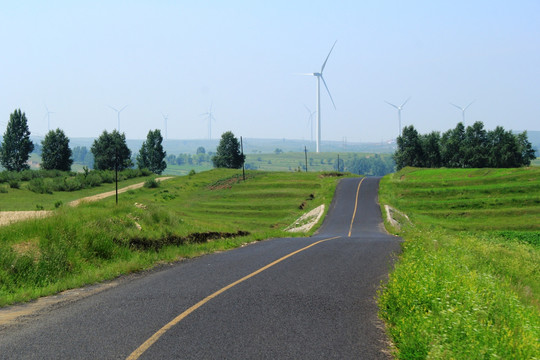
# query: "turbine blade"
[[402, 105], [305, 74], [112, 108], [309, 111], [123, 108], [459, 107], [469, 105], [391, 104], [324, 82], [324, 64]]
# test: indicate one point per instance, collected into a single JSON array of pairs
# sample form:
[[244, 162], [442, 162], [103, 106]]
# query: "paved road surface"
[[317, 303]]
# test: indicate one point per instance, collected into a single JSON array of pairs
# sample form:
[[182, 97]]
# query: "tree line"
[[109, 150], [471, 147]]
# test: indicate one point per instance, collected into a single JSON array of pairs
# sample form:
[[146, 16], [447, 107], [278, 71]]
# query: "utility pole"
[[305, 150], [243, 160]]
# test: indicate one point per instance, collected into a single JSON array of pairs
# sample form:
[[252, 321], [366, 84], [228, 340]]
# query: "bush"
[[3, 189], [151, 183], [72, 184], [107, 176], [40, 186], [93, 179]]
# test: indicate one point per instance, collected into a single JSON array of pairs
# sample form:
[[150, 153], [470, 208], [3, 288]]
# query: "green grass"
[[183, 217], [24, 200], [466, 285]]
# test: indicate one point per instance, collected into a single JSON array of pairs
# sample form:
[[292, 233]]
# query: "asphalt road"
[[317, 303]]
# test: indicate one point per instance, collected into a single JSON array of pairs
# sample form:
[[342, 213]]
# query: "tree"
[[431, 148], [151, 156], [475, 146], [16, 146], [56, 153], [525, 148], [201, 150], [110, 149], [452, 147], [228, 153], [409, 151]]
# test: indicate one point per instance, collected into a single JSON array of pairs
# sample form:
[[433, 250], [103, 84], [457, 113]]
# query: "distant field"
[[466, 285], [536, 162], [285, 161]]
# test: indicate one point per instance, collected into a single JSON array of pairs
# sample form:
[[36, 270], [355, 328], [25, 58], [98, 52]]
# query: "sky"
[[243, 60]]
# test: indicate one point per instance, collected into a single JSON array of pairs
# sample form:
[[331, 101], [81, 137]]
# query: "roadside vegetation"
[[49, 189], [466, 285], [161, 222]]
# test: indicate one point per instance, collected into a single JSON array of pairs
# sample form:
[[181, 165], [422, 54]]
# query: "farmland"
[[466, 285]]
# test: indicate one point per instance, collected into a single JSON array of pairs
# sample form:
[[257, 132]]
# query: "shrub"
[[3, 189], [107, 176], [39, 186], [72, 184], [93, 179], [14, 184], [151, 183], [58, 204]]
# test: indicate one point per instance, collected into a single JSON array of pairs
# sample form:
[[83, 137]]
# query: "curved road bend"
[[291, 298]]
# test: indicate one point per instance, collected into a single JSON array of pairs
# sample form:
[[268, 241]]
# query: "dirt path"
[[8, 217]]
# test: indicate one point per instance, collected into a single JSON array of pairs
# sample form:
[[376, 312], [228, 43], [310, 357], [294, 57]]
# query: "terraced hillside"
[[466, 285]]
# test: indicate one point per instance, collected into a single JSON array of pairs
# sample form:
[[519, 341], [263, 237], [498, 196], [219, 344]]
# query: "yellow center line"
[[146, 345], [355, 206]]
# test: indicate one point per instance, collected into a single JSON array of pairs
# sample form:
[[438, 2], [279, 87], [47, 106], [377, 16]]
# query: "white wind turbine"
[[165, 117], [399, 108], [310, 120], [118, 114], [463, 109], [320, 77], [48, 116], [210, 116]]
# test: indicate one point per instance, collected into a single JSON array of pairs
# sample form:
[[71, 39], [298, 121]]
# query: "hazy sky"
[[242, 57]]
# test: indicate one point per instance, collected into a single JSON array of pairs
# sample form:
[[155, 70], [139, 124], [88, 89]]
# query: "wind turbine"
[[463, 109], [399, 108], [310, 120], [165, 117], [118, 114], [48, 116], [320, 77], [210, 116]]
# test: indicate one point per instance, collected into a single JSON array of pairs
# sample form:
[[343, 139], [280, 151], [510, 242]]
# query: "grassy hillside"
[[183, 217], [466, 285]]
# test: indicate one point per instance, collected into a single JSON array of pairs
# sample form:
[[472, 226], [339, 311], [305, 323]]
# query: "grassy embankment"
[[467, 284], [182, 218]]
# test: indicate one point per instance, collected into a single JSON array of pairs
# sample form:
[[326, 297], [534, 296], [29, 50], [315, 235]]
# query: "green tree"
[[16, 146], [151, 156], [228, 153], [431, 148], [109, 149], [452, 147], [56, 153], [475, 146], [409, 151], [201, 150], [525, 148]]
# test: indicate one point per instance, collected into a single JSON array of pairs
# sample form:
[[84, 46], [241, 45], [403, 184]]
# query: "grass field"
[[183, 217], [467, 284], [22, 199]]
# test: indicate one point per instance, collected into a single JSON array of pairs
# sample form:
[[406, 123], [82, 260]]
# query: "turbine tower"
[[463, 109], [320, 77], [399, 108], [310, 120], [165, 117], [118, 114], [48, 115], [210, 116]]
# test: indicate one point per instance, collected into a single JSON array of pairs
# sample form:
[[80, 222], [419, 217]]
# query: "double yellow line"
[[146, 345]]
